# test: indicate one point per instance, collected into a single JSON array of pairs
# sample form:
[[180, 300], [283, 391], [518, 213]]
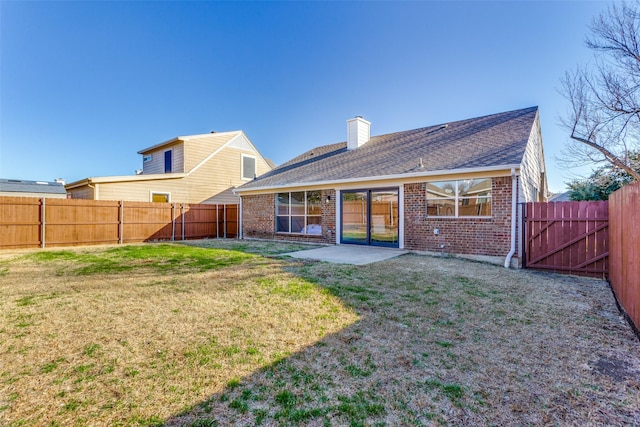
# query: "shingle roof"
[[488, 141], [22, 186]]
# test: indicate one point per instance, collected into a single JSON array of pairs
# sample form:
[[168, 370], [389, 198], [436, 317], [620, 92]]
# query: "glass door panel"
[[355, 217], [384, 218]]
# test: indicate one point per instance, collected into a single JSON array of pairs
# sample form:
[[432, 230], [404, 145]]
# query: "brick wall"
[[471, 236], [259, 220]]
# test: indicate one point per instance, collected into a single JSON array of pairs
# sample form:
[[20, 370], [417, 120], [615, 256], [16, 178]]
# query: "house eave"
[[395, 177], [127, 178], [160, 145]]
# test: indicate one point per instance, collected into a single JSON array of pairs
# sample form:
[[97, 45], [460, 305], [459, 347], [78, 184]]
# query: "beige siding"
[[141, 191], [84, 192], [156, 164], [197, 149], [221, 173], [532, 172]]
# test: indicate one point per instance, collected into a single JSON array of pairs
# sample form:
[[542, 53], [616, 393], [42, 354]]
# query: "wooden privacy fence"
[[624, 257], [27, 222], [567, 237]]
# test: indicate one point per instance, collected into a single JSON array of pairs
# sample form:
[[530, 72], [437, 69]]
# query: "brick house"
[[451, 188]]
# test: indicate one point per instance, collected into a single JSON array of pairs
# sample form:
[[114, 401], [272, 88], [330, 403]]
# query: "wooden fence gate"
[[567, 237]]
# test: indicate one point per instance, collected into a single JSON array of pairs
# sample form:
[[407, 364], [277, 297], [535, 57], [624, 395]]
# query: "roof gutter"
[[380, 178], [128, 178]]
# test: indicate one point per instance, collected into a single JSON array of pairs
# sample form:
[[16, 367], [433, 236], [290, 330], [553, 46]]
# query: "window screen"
[[248, 167]]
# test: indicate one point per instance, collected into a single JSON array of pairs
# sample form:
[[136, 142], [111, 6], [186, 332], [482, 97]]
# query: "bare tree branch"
[[604, 96]]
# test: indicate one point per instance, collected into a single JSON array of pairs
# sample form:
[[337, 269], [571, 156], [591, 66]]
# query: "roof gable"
[[482, 142]]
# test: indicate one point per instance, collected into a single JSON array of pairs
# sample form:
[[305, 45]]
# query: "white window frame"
[[147, 158], [456, 199], [255, 163], [164, 193], [306, 214]]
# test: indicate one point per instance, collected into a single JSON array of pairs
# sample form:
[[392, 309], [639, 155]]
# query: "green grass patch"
[[25, 301], [239, 405], [292, 289], [92, 350], [453, 392], [358, 407], [51, 366], [162, 258]]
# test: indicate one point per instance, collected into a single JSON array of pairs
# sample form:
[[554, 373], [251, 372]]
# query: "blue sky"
[[85, 85]]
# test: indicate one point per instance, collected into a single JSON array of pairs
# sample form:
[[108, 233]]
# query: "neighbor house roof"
[[482, 143], [23, 186], [224, 137]]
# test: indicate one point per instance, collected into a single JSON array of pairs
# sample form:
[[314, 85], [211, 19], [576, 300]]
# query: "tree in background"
[[603, 181], [604, 117]]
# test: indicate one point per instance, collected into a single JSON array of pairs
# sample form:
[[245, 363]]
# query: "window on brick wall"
[[299, 212], [459, 198]]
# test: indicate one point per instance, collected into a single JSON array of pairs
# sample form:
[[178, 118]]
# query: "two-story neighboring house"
[[186, 169]]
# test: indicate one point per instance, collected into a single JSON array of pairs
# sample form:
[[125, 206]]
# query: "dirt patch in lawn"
[[120, 338]]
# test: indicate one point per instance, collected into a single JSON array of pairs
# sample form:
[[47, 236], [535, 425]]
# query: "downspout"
[[95, 190], [514, 188], [240, 220]]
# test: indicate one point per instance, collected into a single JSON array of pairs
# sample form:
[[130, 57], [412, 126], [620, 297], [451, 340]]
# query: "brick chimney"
[[358, 132]]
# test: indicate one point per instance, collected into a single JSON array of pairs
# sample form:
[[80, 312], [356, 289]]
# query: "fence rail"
[[27, 222], [624, 258]]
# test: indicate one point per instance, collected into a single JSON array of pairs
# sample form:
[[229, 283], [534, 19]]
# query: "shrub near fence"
[[27, 222], [624, 249]]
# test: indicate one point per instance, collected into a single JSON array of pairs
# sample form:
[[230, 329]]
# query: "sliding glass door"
[[355, 217], [370, 217]]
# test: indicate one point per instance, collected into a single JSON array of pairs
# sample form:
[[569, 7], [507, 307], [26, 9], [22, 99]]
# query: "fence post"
[[224, 219], [173, 221], [182, 210], [121, 222], [217, 223], [43, 221], [238, 221]]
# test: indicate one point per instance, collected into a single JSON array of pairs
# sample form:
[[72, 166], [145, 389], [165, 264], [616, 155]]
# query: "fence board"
[[72, 222], [20, 222], [567, 237], [625, 249]]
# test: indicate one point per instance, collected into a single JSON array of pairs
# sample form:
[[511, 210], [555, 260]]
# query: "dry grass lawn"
[[229, 333]]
